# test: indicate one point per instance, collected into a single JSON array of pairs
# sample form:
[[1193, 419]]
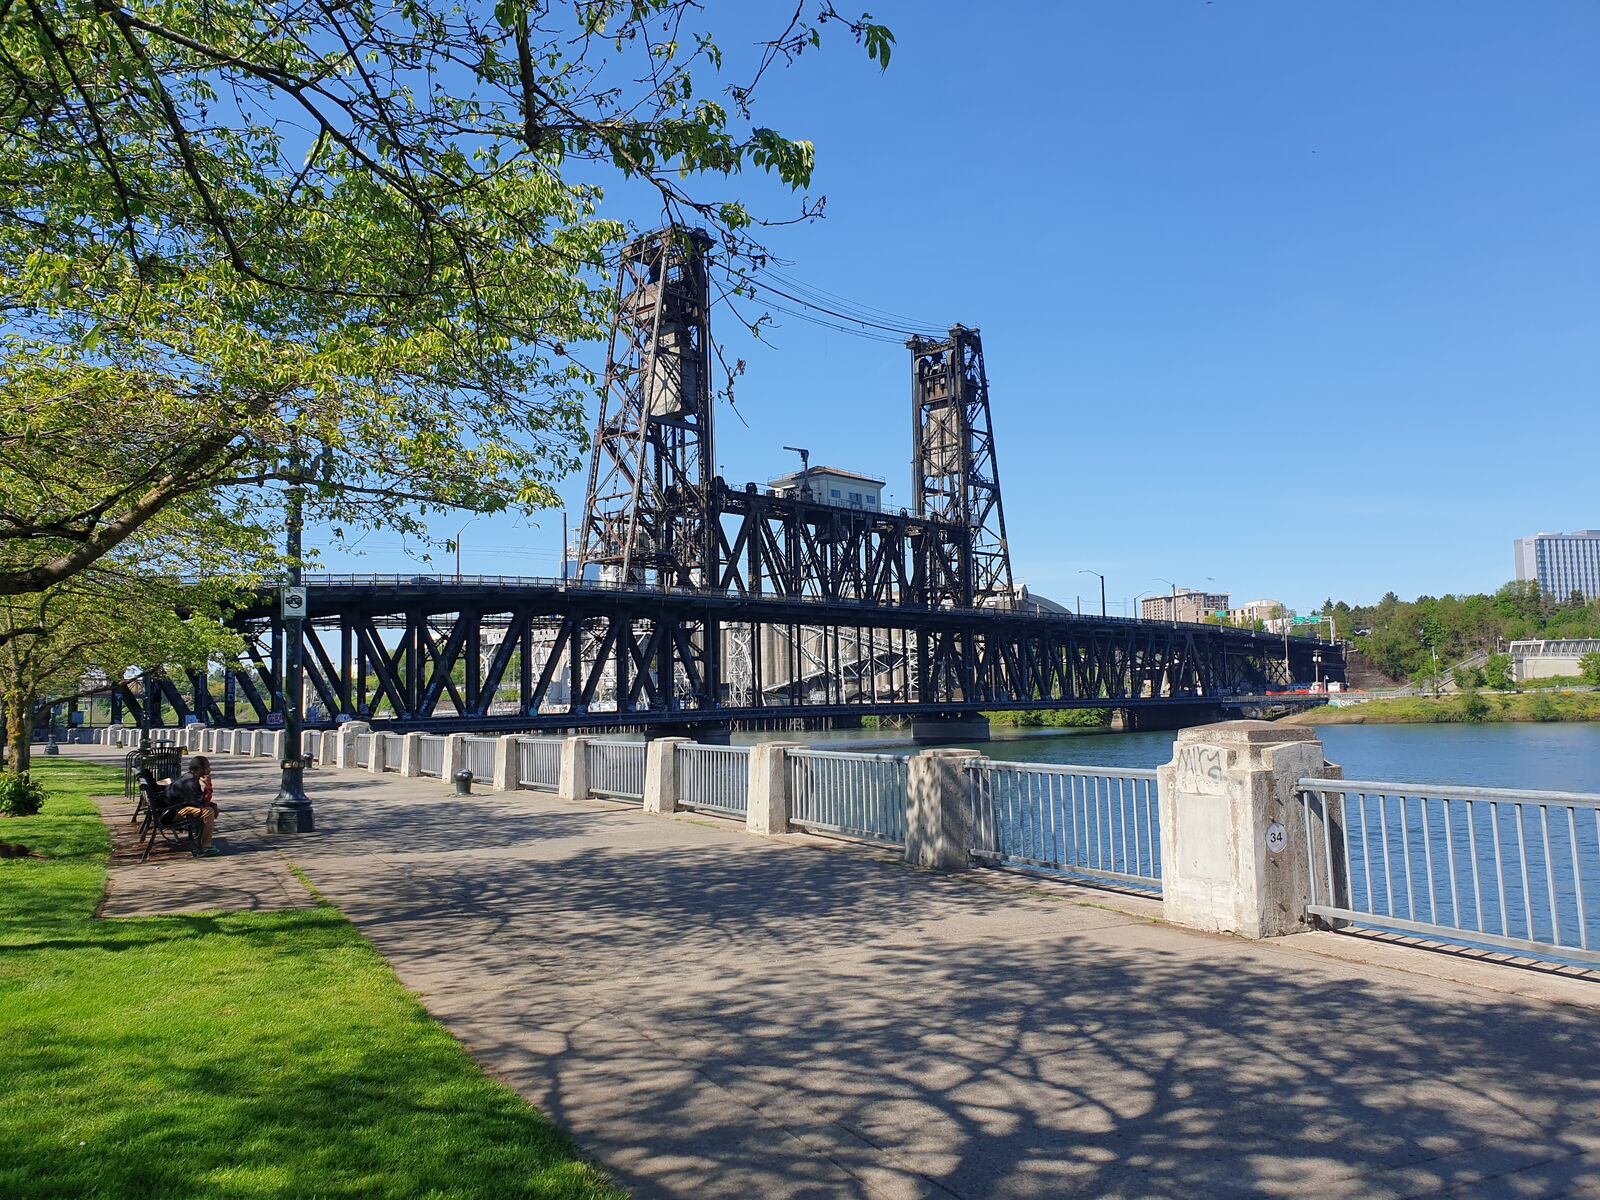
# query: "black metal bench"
[[164, 820], [163, 762]]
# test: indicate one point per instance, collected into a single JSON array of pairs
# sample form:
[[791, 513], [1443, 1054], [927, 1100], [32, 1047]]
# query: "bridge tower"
[[955, 475], [647, 519]]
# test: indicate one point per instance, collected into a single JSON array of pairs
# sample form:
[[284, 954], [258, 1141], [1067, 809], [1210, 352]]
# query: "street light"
[[1174, 588], [459, 532], [291, 810], [1102, 579]]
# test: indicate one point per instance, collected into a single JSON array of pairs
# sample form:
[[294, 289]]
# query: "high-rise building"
[[1561, 563], [1184, 604]]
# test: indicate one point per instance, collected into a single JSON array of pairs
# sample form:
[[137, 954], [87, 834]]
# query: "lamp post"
[[1174, 588], [291, 810], [1102, 579]]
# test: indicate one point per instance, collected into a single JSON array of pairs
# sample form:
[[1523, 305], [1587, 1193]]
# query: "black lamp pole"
[[1102, 580], [291, 809]]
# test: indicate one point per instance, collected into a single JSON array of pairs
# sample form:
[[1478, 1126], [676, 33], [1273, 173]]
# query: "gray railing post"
[[1233, 834], [506, 763], [411, 756], [328, 748], [347, 742], [767, 796], [939, 810], [574, 784], [661, 774], [376, 756]]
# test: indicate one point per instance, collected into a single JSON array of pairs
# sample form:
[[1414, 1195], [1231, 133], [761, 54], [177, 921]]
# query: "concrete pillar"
[[507, 764], [327, 747], [574, 784], [455, 755], [1233, 836], [767, 795], [661, 774], [375, 760], [938, 810], [411, 756], [345, 756]]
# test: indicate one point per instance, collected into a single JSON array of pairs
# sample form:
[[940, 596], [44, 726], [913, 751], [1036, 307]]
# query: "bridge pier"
[[711, 733], [1165, 716], [952, 727]]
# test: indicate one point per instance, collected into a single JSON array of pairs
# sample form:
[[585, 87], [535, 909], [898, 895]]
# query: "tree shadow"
[[721, 1015]]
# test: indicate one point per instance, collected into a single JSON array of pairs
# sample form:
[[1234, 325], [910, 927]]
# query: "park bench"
[[162, 820], [163, 762]]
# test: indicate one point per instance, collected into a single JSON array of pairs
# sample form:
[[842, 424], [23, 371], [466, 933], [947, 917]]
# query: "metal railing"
[[713, 778], [616, 770], [430, 755], [393, 747], [539, 763], [1513, 869], [1098, 822], [857, 795], [310, 742], [364, 749], [265, 741], [477, 756]]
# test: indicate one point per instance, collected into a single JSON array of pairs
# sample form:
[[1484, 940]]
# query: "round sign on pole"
[[1277, 837]]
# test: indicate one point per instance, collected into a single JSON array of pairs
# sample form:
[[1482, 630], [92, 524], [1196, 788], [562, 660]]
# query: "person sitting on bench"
[[193, 792]]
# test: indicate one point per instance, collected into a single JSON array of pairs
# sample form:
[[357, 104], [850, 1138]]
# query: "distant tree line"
[[1422, 638]]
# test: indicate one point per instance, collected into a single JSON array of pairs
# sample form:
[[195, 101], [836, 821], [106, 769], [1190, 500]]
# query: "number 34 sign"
[[1277, 837]]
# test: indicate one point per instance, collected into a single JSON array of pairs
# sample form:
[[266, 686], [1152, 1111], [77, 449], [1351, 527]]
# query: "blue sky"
[[1300, 299]]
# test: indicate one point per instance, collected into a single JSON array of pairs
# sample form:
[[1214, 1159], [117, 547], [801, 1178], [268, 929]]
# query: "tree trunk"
[[19, 730]]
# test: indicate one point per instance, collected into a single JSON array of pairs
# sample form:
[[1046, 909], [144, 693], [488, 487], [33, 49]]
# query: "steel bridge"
[[699, 605]]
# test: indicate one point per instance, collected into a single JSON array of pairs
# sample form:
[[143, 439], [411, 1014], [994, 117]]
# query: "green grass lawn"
[[250, 1054]]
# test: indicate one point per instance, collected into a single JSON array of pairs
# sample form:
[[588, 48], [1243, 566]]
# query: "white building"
[[1560, 563], [1185, 604], [832, 485]]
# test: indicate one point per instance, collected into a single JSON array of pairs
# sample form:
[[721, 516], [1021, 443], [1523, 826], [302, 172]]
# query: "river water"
[[1556, 757]]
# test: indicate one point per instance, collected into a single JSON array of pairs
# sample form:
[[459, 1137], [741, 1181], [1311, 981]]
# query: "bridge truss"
[[717, 604]]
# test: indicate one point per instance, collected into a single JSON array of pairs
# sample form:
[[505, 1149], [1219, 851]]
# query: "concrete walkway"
[[715, 1015], [250, 875]]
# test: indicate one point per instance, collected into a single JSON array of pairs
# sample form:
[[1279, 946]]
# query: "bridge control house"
[[831, 485]]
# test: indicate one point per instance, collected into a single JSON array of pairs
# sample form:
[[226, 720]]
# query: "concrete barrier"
[[661, 775], [767, 794], [1233, 836], [938, 811], [574, 784], [411, 756]]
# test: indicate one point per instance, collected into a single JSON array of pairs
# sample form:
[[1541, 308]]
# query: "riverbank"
[[1471, 708]]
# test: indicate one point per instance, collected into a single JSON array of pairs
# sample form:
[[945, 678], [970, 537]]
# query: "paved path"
[[249, 875], [714, 1015]]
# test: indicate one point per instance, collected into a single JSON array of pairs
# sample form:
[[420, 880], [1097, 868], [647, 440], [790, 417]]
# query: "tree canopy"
[[235, 236]]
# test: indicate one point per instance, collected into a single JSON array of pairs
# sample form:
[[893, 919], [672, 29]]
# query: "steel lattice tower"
[[955, 475], [647, 516]]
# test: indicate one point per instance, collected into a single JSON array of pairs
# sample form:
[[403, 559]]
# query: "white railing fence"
[[1505, 868], [539, 763], [393, 747], [477, 756], [616, 770], [430, 755], [1097, 822], [857, 795], [713, 778], [364, 749]]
